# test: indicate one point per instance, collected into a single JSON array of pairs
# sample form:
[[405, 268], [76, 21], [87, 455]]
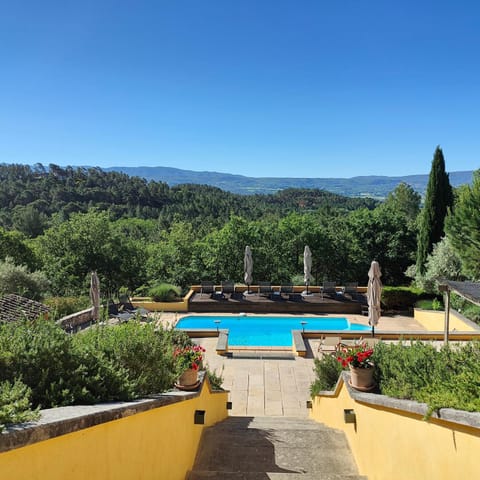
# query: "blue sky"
[[302, 88]]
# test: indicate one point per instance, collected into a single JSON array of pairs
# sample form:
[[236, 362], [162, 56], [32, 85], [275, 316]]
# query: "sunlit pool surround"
[[267, 330]]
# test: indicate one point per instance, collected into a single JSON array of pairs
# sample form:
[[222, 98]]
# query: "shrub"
[[101, 364], [327, 370], [164, 292], [17, 279], [297, 279], [63, 306], [446, 378], [15, 404], [468, 309], [215, 379], [143, 352], [41, 354], [433, 304], [442, 262], [179, 339], [400, 298], [141, 291]]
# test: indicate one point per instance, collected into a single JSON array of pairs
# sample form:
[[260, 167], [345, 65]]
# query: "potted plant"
[[188, 361], [358, 359]]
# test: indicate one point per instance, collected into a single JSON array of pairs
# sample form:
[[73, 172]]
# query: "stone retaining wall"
[[76, 320]]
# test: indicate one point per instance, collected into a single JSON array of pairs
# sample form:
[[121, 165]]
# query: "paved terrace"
[[276, 303], [275, 382]]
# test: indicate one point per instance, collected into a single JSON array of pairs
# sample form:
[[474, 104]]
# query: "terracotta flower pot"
[[362, 378], [188, 378]]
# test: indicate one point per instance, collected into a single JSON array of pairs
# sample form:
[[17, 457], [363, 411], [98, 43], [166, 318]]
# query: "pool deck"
[[315, 303], [276, 382]]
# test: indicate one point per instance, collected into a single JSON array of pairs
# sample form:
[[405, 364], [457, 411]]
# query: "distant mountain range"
[[368, 186]]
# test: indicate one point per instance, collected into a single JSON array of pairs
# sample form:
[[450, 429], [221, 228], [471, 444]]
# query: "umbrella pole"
[[373, 330]]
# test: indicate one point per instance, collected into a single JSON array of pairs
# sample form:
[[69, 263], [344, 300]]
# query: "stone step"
[[207, 475], [287, 423], [305, 439], [265, 456], [275, 445]]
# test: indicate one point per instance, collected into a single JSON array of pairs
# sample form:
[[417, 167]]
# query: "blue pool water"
[[267, 331]]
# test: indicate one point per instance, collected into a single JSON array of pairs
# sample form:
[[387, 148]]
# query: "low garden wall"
[[149, 304], [146, 439], [390, 439], [76, 320]]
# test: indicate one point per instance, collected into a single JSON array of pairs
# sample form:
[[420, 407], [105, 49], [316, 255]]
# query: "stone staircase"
[[278, 448]]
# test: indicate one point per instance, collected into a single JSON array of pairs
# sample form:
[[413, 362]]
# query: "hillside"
[[367, 186], [31, 196]]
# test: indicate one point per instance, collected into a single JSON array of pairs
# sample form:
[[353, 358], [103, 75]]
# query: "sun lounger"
[[206, 287], [265, 288], [330, 289], [127, 307], [113, 312], [228, 287], [287, 289], [329, 345], [351, 289]]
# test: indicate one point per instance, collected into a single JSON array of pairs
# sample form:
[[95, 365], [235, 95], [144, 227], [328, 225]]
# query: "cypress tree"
[[438, 199], [463, 227]]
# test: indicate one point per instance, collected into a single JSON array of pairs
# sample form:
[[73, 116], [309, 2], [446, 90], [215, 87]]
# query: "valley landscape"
[[365, 186]]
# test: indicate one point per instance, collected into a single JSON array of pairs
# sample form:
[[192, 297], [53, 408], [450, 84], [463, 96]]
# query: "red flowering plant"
[[188, 357], [358, 356]]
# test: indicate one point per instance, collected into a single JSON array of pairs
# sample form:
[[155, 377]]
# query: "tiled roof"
[[13, 307], [468, 290]]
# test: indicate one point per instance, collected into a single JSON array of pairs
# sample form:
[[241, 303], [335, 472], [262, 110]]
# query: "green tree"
[[223, 250], [175, 257], [380, 235], [292, 234], [442, 263], [14, 245], [29, 220], [405, 200], [438, 199], [72, 249], [17, 279], [463, 227]]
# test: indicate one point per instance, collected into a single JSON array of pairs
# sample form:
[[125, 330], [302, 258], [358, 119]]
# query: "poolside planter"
[[362, 378]]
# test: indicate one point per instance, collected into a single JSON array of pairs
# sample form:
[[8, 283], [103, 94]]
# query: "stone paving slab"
[[277, 387]]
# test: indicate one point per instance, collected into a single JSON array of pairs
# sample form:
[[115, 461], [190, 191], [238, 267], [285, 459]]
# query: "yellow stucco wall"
[[434, 321], [161, 306], [157, 444], [393, 446]]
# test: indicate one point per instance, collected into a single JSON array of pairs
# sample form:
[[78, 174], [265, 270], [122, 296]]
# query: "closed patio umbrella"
[[307, 267], [95, 295], [248, 268], [374, 293]]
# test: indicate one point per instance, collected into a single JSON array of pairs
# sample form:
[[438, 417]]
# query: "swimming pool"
[[265, 331]]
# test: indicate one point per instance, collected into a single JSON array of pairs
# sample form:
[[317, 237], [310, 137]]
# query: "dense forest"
[[30, 197], [58, 224]]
